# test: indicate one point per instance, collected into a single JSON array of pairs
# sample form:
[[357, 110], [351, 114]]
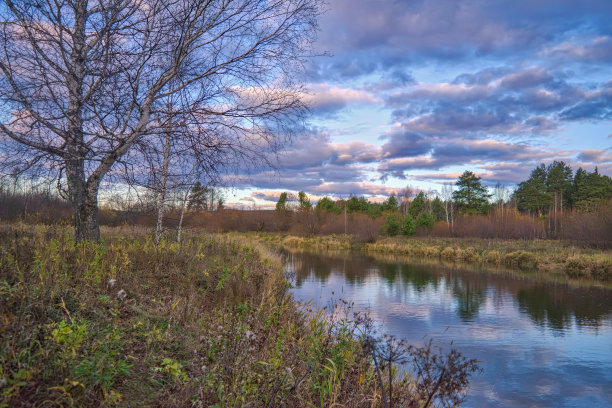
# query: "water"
[[540, 343]]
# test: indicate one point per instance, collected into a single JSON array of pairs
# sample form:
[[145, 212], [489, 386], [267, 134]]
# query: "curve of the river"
[[540, 343]]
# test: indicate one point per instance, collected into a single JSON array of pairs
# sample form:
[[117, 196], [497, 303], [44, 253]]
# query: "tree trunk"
[[183, 209], [161, 198], [84, 199]]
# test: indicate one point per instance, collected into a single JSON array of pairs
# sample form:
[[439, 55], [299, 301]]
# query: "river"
[[541, 343]]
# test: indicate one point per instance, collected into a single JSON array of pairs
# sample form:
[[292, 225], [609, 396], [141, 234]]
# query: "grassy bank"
[[548, 256], [207, 323]]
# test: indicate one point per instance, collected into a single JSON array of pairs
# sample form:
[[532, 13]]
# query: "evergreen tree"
[[471, 196], [390, 204], [437, 208], [590, 188], [198, 197], [580, 187], [281, 204], [417, 205], [409, 225], [426, 220], [353, 205], [392, 227], [325, 204], [304, 204], [559, 184], [532, 195]]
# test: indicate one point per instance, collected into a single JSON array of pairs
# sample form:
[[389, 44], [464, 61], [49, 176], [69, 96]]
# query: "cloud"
[[454, 152], [595, 105], [328, 99], [373, 35], [595, 155], [495, 102], [598, 49], [354, 188]]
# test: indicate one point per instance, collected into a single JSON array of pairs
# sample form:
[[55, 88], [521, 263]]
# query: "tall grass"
[[206, 323]]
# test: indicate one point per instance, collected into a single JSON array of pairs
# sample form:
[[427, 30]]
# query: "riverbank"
[[547, 256], [209, 322]]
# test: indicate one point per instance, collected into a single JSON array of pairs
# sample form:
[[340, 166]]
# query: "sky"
[[413, 93]]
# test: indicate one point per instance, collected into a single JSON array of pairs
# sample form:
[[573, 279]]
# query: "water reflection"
[[542, 343], [556, 306]]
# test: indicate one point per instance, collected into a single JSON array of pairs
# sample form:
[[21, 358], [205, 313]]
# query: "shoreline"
[[547, 256]]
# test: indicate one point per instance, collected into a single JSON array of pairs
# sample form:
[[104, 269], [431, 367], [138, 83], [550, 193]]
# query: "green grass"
[[126, 322]]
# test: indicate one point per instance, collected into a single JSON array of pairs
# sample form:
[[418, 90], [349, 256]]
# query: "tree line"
[[545, 195]]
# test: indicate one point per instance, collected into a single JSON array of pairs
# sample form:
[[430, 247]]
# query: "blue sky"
[[412, 93]]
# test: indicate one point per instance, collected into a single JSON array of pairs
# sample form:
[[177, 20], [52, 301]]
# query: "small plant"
[[521, 259], [448, 253], [173, 368], [70, 336]]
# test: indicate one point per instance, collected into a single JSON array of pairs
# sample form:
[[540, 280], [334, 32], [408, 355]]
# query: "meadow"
[[207, 322]]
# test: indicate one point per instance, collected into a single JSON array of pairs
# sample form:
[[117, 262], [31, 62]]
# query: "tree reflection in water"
[[552, 305]]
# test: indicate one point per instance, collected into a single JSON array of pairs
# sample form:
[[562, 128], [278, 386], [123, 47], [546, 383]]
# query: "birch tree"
[[83, 81]]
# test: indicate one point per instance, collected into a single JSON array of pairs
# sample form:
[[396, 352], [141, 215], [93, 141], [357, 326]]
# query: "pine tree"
[[198, 197], [304, 204], [437, 208], [281, 204], [325, 204], [532, 195], [390, 204], [392, 227], [559, 183], [471, 196], [409, 225], [417, 205]]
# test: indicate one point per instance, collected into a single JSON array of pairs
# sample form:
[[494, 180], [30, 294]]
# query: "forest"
[[553, 203]]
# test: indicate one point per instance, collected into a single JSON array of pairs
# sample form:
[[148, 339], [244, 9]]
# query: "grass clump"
[[522, 260], [207, 323], [326, 242], [587, 267]]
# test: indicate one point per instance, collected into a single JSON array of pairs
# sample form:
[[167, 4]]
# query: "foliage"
[[426, 220], [471, 196], [437, 208], [409, 225], [390, 204], [326, 204], [417, 205], [552, 188], [281, 204], [304, 204], [205, 323], [392, 226]]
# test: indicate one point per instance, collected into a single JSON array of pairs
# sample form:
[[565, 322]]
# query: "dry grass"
[[547, 255], [207, 323]]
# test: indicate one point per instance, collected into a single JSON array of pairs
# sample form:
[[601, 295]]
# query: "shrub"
[[448, 253], [392, 226], [582, 267], [426, 220], [522, 260], [494, 257], [467, 255], [409, 225]]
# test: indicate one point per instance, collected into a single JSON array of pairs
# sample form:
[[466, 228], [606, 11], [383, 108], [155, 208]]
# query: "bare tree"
[[404, 196], [501, 194], [447, 197], [85, 80]]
